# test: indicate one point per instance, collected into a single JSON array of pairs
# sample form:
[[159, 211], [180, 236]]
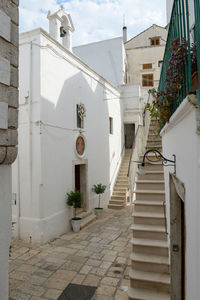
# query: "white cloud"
[[96, 20]]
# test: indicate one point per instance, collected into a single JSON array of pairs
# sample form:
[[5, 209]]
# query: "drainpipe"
[[30, 117]]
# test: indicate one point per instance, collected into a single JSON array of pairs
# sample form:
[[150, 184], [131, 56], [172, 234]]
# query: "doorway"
[[80, 181], [177, 238], [129, 135]]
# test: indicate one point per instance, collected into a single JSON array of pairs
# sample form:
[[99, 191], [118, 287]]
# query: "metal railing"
[[179, 27], [197, 42]]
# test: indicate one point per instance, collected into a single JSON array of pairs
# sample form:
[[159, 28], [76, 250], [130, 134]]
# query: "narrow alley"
[[98, 256]]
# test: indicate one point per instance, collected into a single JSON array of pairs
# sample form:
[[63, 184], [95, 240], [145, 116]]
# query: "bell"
[[62, 31]]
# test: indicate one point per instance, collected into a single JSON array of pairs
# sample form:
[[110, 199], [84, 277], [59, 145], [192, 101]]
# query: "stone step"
[[148, 206], [149, 218], [118, 193], [151, 175], [116, 201], [154, 167], [147, 294], [150, 195], [150, 184], [150, 280], [117, 197], [121, 186], [150, 246], [149, 147], [87, 220], [115, 206], [156, 232], [150, 263]]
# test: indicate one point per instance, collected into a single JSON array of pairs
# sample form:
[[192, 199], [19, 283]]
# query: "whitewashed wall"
[[105, 57], [180, 137], [59, 82]]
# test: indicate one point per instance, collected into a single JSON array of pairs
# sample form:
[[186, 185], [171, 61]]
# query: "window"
[[79, 121], [111, 125], [147, 66], [147, 80], [155, 41]]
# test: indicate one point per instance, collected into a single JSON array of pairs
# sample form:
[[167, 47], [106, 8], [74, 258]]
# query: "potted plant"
[[98, 189], [195, 80], [75, 198]]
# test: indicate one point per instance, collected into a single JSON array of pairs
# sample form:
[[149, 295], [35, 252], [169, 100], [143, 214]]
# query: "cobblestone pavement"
[[97, 256]]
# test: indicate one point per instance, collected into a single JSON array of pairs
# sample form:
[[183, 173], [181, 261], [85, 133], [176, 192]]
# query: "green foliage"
[[165, 100], [75, 199], [99, 189]]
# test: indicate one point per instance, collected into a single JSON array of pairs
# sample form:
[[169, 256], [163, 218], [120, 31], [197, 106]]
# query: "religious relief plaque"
[[80, 145]]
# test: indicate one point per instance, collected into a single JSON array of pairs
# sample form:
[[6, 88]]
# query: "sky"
[[96, 20]]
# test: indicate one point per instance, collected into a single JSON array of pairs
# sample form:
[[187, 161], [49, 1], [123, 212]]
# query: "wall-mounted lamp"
[[157, 158]]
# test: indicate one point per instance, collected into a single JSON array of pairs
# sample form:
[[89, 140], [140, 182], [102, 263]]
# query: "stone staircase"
[[87, 217], [118, 198], [149, 275]]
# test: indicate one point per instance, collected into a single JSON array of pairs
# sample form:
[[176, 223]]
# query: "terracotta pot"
[[195, 81]]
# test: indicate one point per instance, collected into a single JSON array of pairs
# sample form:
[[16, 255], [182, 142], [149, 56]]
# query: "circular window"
[[80, 145]]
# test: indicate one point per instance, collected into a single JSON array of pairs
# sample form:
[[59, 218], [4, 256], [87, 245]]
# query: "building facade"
[[8, 127], [181, 136]]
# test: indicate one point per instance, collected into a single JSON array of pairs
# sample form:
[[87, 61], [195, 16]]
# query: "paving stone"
[[15, 295], [85, 269], [55, 283], [37, 280], [13, 283], [64, 275], [48, 265], [121, 260], [72, 266], [31, 289], [18, 275], [103, 297], [53, 294], [110, 258], [110, 281], [43, 273], [37, 298], [93, 262], [78, 279], [106, 290], [26, 268], [106, 265], [91, 280], [121, 295], [29, 254], [98, 271]]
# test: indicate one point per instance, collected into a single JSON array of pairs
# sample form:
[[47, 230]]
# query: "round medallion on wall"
[[80, 145]]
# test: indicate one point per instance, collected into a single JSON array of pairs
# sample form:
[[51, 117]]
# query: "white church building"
[[74, 109]]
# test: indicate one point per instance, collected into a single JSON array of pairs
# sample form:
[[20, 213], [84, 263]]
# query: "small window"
[[111, 125], [147, 66], [155, 41], [147, 80], [79, 121]]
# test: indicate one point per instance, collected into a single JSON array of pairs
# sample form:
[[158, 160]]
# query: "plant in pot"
[[75, 198], [98, 189]]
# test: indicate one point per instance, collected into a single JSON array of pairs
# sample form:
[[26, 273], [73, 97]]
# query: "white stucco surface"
[[105, 57], [5, 227], [180, 137], [52, 82]]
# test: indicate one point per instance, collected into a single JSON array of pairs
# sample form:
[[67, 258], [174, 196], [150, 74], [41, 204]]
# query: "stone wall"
[[8, 80]]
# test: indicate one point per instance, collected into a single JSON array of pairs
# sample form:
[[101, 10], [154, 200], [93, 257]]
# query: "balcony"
[[181, 58]]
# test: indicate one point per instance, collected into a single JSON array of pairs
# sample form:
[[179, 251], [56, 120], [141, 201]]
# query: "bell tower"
[[61, 27]]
